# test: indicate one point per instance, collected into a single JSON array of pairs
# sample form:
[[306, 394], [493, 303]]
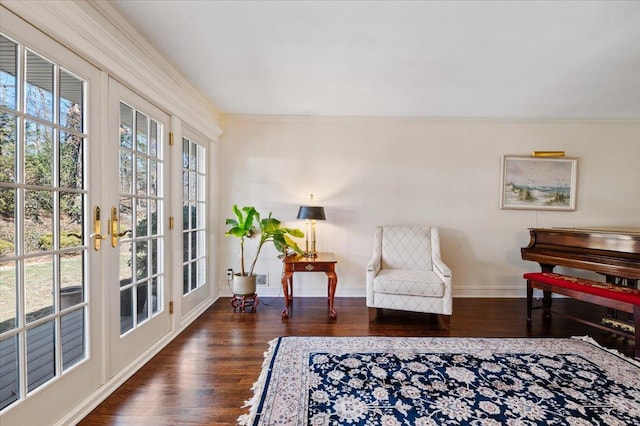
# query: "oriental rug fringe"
[[444, 381]]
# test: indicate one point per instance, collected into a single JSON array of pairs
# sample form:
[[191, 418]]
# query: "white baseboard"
[[484, 292], [480, 292]]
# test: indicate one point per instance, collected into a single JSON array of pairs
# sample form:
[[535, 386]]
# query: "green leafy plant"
[[6, 247], [271, 230]]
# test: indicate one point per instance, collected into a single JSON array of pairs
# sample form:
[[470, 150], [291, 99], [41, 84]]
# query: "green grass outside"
[[39, 282]]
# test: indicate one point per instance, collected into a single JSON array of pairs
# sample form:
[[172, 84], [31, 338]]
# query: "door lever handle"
[[123, 233]]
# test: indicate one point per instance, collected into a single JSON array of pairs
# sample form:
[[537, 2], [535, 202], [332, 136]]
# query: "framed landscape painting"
[[535, 183]]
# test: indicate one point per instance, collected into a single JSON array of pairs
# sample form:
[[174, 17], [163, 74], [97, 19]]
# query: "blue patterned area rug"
[[444, 381]]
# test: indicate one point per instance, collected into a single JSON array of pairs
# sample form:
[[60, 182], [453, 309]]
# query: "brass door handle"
[[96, 229], [114, 227]]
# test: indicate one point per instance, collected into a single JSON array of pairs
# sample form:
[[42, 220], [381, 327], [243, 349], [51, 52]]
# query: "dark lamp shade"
[[311, 212]]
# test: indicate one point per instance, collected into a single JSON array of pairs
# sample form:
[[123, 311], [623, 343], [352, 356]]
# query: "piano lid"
[[624, 230]]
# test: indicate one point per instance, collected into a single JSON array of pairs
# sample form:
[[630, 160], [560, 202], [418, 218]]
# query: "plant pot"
[[244, 284]]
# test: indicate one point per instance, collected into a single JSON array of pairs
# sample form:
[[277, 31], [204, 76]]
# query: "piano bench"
[[611, 296]]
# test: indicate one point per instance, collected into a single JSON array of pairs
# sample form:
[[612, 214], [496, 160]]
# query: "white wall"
[[446, 173]]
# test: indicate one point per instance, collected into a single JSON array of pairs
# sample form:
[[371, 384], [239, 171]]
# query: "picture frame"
[[537, 183]]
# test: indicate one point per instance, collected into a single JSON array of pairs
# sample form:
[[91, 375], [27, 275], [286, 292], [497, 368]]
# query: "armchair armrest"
[[374, 265], [440, 268]]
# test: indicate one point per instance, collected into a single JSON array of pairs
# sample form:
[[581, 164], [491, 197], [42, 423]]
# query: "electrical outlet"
[[229, 274], [262, 279]]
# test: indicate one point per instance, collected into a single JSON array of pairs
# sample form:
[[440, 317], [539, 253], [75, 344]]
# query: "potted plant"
[[242, 226]]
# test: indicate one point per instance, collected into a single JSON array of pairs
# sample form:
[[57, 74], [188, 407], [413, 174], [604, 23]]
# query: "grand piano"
[[611, 252]]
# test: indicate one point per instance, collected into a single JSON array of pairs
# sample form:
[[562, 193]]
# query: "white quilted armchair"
[[407, 273]]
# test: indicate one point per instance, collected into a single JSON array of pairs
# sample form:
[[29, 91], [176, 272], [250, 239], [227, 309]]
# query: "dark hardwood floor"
[[204, 376]]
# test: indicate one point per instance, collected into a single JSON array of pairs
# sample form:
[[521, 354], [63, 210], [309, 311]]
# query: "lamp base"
[[310, 254]]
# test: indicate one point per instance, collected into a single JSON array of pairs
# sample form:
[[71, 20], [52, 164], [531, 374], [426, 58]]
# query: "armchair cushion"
[[408, 283]]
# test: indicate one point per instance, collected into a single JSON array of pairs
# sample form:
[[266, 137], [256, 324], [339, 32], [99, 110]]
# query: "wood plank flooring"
[[204, 376]]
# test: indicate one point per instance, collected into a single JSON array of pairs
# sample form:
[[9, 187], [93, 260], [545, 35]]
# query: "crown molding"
[[96, 31]]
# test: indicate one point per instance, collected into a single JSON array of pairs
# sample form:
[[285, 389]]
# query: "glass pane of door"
[[140, 210]]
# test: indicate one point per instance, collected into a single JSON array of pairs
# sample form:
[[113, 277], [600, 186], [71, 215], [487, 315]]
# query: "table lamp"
[[311, 214]]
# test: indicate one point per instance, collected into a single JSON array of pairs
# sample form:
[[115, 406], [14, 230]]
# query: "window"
[[193, 215], [43, 255]]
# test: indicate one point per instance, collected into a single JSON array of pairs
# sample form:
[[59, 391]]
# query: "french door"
[[49, 274], [137, 270], [84, 281]]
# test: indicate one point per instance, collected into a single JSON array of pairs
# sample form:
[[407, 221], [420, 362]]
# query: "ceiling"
[[441, 59]]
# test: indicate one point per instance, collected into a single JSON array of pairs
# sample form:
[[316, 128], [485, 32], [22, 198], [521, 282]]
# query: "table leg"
[[333, 283], [285, 289], [290, 278]]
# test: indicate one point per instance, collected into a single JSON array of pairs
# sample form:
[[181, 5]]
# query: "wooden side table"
[[325, 262]]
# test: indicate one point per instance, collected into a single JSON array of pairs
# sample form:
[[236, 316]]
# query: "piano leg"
[[636, 323], [614, 317], [546, 302], [529, 302]]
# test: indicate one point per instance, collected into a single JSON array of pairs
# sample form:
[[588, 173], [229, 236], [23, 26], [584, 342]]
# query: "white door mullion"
[[22, 339], [19, 223]]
